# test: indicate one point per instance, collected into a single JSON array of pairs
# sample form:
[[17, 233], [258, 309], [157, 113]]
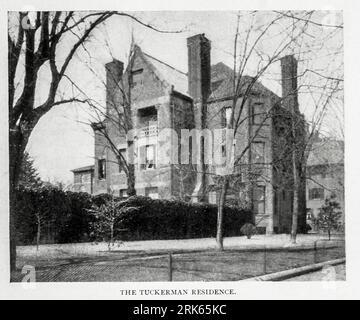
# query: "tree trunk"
[[131, 180], [220, 218], [329, 233], [295, 206], [130, 173], [18, 139], [111, 235], [12, 238], [16, 153], [182, 190], [38, 233]]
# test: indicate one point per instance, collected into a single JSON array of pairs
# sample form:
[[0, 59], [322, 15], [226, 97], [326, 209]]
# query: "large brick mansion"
[[164, 97]]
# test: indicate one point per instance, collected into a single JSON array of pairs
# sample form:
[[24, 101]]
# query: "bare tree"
[[114, 122], [109, 219], [39, 42], [290, 32]]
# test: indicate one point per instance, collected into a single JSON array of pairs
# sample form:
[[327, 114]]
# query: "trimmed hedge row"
[[173, 219], [66, 218], [63, 214]]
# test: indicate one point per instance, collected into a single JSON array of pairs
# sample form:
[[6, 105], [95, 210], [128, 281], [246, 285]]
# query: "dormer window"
[[136, 78]]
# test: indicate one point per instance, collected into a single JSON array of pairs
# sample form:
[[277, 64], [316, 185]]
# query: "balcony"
[[148, 131]]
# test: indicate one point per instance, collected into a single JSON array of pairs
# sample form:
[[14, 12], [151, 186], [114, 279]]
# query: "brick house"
[[164, 97], [325, 170]]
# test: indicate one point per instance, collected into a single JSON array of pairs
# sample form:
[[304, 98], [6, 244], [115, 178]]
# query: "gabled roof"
[[83, 169], [222, 83], [169, 74], [326, 152], [220, 71], [221, 78]]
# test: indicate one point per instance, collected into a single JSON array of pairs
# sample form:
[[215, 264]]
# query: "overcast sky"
[[63, 140]]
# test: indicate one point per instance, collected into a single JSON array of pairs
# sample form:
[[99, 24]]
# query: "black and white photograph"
[[175, 146]]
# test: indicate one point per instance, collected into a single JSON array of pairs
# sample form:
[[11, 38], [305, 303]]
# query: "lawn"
[[204, 265]]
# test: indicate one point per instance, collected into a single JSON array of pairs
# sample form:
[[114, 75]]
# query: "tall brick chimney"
[[114, 72], [199, 72], [289, 83]]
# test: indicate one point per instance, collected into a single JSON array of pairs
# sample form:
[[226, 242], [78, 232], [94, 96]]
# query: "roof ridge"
[[150, 56], [83, 168]]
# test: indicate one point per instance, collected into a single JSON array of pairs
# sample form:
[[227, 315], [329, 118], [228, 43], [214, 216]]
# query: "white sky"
[[61, 141]]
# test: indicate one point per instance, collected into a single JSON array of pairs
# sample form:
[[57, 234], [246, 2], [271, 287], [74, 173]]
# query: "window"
[[123, 193], [223, 151], [85, 178], [120, 159], [212, 197], [77, 178], [257, 113], [152, 192], [147, 157], [258, 152], [136, 78], [259, 200], [225, 116], [102, 169], [316, 194], [147, 120], [309, 214]]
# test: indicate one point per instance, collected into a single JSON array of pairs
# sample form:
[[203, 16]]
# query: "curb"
[[287, 274]]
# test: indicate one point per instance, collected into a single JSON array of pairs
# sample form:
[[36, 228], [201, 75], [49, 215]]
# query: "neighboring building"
[[164, 97], [84, 179], [325, 171]]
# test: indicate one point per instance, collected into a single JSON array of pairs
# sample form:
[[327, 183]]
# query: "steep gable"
[[167, 77], [162, 75], [168, 74], [147, 82], [222, 82]]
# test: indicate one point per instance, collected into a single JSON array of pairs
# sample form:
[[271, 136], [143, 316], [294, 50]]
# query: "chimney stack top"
[[289, 83], [199, 72]]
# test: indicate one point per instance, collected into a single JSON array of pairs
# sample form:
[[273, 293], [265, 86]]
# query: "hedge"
[[173, 219], [64, 215], [67, 219]]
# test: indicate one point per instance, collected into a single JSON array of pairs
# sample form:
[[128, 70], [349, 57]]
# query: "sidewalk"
[[257, 242], [337, 273]]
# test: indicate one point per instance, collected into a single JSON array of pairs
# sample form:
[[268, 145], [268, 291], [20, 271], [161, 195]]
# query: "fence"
[[231, 264], [264, 260]]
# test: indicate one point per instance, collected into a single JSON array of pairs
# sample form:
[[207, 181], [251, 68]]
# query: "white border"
[[244, 290]]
